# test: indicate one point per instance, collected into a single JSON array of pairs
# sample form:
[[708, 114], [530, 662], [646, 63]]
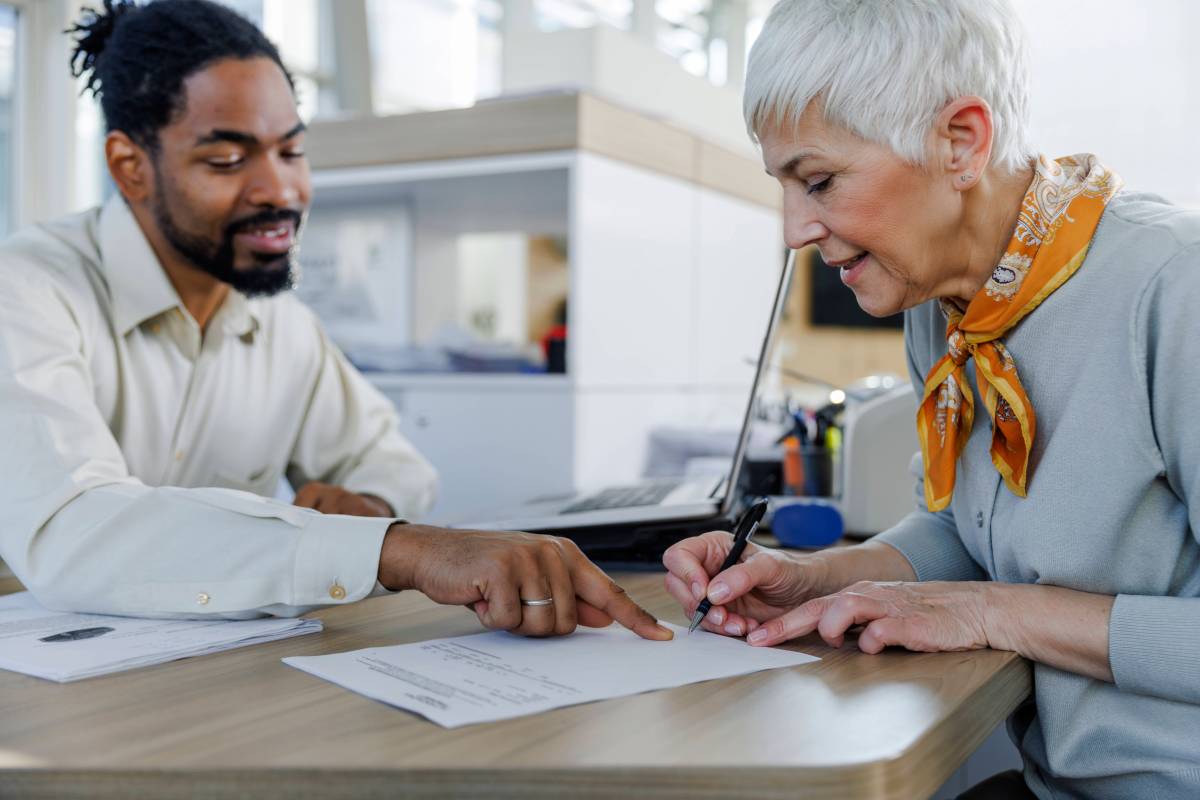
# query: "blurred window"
[[553, 15], [430, 54], [683, 34], [303, 32], [8, 85]]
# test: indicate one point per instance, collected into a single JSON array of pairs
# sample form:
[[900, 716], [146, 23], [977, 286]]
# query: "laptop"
[[633, 525]]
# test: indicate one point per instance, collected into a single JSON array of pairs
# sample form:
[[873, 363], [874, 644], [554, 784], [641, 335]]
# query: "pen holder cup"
[[818, 471], [807, 522]]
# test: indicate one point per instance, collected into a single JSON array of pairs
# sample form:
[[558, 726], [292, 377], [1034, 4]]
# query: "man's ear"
[[964, 134], [130, 166]]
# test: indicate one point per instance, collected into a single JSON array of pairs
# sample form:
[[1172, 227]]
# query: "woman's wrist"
[[1000, 618], [835, 568], [1062, 628]]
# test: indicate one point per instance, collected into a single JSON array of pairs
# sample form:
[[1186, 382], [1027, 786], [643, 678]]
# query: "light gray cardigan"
[[1111, 362]]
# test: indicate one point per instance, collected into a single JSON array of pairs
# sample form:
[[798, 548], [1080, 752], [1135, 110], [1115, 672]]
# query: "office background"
[[445, 270], [518, 235], [1112, 77], [443, 266]]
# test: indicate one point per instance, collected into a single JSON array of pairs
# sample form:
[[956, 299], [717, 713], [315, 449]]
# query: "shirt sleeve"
[[1154, 641], [351, 437], [929, 540], [83, 535]]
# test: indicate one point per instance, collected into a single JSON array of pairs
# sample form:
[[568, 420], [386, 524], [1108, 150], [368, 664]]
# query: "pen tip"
[[696, 619]]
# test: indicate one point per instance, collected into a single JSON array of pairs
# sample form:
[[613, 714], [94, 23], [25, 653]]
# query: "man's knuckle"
[[550, 550], [501, 571], [568, 621]]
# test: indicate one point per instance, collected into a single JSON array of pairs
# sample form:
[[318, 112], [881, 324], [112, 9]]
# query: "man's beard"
[[272, 273]]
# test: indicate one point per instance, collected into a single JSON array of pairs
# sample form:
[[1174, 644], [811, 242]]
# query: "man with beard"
[[151, 366]]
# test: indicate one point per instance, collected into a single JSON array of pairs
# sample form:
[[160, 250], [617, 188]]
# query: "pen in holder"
[[818, 471]]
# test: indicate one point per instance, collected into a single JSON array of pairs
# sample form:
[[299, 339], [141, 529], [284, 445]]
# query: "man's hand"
[[329, 499], [493, 572]]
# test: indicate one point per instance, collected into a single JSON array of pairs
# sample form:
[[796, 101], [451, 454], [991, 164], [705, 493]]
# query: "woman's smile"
[[851, 268]]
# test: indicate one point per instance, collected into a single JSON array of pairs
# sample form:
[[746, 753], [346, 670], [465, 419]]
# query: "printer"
[[879, 440]]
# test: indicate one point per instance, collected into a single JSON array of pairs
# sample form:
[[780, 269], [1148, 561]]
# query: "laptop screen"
[[729, 495]]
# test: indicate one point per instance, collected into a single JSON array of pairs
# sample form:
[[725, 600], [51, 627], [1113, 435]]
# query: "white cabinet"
[[673, 251], [495, 440], [671, 291]]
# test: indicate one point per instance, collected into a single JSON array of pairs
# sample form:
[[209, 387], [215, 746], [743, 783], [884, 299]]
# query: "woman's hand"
[[1064, 628], [929, 617], [768, 583], [764, 585]]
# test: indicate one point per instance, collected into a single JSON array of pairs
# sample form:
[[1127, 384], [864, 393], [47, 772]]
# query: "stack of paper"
[[67, 647], [493, 676]]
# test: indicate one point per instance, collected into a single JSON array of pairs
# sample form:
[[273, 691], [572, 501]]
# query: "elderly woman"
[[1050, 322]]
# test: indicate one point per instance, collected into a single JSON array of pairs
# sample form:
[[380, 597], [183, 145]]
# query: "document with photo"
[[62, 646], [492, 676]]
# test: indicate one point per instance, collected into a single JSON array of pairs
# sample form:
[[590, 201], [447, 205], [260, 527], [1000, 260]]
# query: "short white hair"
[[884, 70]]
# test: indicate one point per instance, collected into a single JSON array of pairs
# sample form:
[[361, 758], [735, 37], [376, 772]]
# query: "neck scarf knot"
[[1059, 215]]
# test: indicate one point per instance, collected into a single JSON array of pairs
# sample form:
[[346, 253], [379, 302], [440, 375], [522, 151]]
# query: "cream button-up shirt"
[[138, 455]]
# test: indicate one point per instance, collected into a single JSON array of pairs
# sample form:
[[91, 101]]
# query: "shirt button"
[[979, 519], [202, 598], [337, 592]]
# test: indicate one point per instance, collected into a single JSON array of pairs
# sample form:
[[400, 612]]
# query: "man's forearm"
[[1062, 628]]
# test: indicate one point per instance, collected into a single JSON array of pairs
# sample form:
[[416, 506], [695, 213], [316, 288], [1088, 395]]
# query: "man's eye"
[[819, 186], [225, 163], [293, 154]]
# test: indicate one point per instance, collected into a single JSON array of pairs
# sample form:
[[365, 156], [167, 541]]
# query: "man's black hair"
[[136, 57]]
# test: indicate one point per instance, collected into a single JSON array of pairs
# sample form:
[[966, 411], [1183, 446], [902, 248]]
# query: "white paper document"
[[493, 676], [65, 647]]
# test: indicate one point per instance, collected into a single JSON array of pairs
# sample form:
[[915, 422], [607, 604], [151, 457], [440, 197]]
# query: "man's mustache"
[[265, 218]]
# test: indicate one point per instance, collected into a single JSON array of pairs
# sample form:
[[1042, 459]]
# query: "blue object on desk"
[[807, 522]]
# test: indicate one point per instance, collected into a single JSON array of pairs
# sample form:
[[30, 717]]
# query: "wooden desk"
[[242, 724]]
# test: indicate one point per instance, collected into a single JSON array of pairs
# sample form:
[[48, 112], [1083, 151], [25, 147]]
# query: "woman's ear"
[[963, 131]]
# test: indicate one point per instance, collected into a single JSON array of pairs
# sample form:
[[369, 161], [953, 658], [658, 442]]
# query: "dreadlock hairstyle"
[[135, 58]]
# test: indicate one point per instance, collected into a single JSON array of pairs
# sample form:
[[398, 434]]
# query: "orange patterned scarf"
[[1058, 217]]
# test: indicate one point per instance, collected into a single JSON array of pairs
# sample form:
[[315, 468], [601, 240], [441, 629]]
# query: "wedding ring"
[[546, 601]]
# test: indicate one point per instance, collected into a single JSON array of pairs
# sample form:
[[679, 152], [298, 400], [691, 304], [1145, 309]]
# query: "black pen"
[[746, 526]]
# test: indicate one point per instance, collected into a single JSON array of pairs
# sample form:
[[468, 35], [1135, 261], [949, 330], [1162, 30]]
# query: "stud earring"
[[966, 176]]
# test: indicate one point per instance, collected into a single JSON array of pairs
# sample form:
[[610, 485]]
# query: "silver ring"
[[547, 601]]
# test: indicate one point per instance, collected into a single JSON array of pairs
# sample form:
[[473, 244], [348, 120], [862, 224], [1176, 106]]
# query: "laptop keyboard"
[[623, 497]]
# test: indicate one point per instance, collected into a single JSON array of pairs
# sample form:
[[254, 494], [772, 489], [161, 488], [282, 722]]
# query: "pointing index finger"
[[600, 591]]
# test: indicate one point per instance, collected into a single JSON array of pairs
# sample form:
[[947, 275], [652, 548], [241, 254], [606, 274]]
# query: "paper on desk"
[[493, 676], [65, 647]]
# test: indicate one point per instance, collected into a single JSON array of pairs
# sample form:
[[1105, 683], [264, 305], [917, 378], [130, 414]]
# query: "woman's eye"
[[819, 186]]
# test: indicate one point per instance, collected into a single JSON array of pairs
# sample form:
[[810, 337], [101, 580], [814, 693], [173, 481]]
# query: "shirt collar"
[[237, 316], [138, 284]]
